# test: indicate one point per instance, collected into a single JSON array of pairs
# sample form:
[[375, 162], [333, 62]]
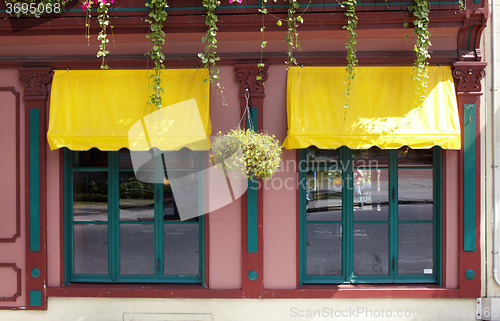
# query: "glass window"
[[124, 226], [370, 216]]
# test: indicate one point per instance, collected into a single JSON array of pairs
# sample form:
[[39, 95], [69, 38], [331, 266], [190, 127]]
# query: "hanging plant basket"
[[260, 152]]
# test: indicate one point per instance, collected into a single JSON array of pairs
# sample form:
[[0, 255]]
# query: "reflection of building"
[[413, 249]]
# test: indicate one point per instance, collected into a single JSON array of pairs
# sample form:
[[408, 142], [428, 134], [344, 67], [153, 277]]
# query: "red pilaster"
[[248, 76], [468, 75], [36, 81]]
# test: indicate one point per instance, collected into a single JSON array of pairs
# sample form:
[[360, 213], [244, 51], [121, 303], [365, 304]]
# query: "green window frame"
[[122, 234], [339, 255]]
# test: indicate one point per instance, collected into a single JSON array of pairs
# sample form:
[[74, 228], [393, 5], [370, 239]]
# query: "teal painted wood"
[[469, 177], [252, 196], [34, 180], [346, 157], [35, 298], [438, 210]]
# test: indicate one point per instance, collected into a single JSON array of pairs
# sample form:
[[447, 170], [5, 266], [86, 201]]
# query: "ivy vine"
[[209, 58], [103, 19], [420, 11], [158, 16], [292, 36], [350, 45]]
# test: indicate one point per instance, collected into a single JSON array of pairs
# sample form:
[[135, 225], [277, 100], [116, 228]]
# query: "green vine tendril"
[[350, 45], [158, 16], [209, 58], [420, 11]]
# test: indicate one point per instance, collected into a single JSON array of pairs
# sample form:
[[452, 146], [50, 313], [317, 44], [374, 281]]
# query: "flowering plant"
[[103, 19], [261, 152]]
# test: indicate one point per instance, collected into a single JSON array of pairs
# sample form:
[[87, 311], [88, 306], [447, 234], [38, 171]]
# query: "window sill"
[[345, 291], [358, 291], [140, 291]]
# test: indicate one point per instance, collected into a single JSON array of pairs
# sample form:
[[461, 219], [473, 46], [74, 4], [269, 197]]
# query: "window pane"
[[324, 249], [137, 255], [371, 249], [416, 245], [181, 198], [415, 193], [323, 157], [90, 158], [181, 247], [324, 195], [414, 157], [90, 196], [136, 199], [90, 248], [371, 158], [371, 195]]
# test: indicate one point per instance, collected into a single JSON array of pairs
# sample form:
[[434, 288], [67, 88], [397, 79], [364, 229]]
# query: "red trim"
[[305, 292], [17, 107], [61, 219], [141, 291], [362, 291], [35, 95]]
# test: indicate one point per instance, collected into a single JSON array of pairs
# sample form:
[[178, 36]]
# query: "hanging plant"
[[209, 58], [420, 11], [103, 19], [261, 153], [350, 45], [292, 35], [158, 16]]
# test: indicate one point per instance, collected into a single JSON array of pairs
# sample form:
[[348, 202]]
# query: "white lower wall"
[[111, 309]]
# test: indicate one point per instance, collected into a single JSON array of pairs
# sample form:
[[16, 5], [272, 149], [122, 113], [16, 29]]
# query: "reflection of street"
[[371, 249], [136, 241]]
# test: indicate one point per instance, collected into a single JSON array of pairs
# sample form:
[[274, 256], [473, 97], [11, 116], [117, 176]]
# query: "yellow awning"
[[382, 110], [108, 109]]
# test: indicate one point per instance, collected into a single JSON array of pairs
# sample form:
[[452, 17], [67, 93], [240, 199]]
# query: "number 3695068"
[[32, 8]]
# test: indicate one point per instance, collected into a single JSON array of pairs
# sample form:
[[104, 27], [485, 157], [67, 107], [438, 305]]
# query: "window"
[[121, 227], [370, 216]]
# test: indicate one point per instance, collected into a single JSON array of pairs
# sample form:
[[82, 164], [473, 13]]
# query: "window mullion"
[[113, 215], [393, 213], [347, 212], [158, 208], [438, 199]]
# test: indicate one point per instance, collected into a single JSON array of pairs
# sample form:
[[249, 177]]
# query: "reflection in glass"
[[90, 158], [371, 194], [324, 195], [90, 248], [414, 157], [181, 247], [415, 242], [136, 198], [415, 194], [90, 196], [371, 249], [371, 158], [323, 157], [324, 249], [137, 254]]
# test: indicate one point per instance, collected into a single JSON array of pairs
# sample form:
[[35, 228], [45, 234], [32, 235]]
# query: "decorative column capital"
[[468, 76], [247, 75], [35, 81]]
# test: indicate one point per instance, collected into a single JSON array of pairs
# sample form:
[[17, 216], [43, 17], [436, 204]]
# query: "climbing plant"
[[350, 45], [157, 16]]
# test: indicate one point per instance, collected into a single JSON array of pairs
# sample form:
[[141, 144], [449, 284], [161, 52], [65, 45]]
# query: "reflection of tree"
[[136, 189]]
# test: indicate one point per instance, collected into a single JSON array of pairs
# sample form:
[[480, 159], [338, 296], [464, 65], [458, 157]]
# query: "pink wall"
[[11, 252]]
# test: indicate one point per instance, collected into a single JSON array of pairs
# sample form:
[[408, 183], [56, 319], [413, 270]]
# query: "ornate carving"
[[469, 76], [35, 81], [247, 74]]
